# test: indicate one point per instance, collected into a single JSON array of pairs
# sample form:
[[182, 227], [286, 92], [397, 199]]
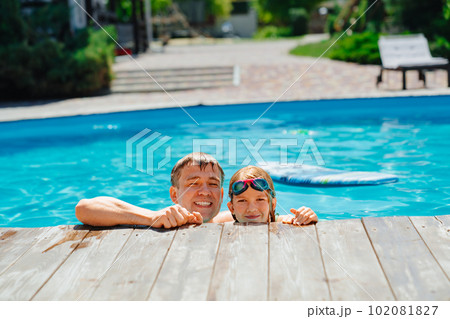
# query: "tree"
[[277, 12], [219, 8], [417, 16], [447, 10], [369, 15], [12, 27]]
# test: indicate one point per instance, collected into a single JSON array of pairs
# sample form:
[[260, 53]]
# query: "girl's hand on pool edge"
[[303, 216]]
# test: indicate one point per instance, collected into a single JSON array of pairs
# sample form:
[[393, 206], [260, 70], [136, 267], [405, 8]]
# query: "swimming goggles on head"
[[260, 184]]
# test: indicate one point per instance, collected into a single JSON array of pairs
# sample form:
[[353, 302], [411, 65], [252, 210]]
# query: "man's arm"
[[109, 211]]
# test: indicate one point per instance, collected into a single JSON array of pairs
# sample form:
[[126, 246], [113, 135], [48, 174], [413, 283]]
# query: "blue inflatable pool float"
[[317, 176]]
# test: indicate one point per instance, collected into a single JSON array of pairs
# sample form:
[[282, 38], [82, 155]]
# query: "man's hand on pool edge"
[[174, 216], [109, 211]]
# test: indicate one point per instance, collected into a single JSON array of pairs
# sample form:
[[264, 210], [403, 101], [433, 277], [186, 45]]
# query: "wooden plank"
[[412, 271], [132, 277], [76, 279], [351, 265], [445, 219], [295, 267], [4, 230], [32, 270], [241, 269], [14, 242], [188, 266], [435, 232]]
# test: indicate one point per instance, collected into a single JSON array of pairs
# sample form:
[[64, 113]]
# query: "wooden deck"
[[391, 258]]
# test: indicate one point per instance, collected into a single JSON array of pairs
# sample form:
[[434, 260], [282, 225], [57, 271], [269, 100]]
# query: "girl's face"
[[252, 206]]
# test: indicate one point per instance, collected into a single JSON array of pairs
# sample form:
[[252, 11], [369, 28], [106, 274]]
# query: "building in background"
[[242, 22], [244, 19]]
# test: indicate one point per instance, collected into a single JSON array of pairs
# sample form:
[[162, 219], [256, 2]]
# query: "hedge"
[[48, 70], [41, 58], [360, 48]]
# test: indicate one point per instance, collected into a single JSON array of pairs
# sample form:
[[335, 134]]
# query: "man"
[[196, 190]]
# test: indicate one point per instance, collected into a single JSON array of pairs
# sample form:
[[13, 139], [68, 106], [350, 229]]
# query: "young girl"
[[252, 199]]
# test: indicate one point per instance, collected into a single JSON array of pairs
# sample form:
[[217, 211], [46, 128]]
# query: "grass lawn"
[[314, 49], [360, 48]]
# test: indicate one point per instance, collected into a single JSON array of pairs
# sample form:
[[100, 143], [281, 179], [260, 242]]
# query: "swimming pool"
[[48, 165]]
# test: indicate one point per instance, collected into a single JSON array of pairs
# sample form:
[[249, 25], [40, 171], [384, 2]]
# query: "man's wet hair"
[[199, 159]]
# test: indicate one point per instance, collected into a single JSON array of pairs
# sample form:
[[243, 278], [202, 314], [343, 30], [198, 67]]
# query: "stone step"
[[153, 87], [176, 79], [174, 72], [167, 80]]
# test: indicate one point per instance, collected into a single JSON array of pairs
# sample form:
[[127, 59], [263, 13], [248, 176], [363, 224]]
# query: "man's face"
[[199, 190]]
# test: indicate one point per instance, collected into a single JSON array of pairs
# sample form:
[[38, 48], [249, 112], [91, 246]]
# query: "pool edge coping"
[[19, 113]]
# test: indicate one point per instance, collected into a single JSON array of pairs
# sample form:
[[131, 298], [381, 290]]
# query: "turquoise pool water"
[[48, 165]]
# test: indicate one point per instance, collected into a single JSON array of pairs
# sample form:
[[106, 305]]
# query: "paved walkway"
[[266, 68]]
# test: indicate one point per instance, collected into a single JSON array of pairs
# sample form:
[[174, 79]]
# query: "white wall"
[[245, 25], [78, 18]]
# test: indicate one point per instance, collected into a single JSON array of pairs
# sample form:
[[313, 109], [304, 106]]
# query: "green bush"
[[272, 32], [299, 21], [361, 48], [329, 25], [48, 70], [49, 21], [12, 27], [41, 58], [440, 48], [93, 63]]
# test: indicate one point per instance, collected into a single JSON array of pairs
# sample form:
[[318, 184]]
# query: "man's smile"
[[203, 203]]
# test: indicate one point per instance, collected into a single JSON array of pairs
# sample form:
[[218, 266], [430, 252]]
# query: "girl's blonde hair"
[[250, 172]]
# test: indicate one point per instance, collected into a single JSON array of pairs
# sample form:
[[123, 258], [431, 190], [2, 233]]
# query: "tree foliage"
[[447, 10], [218, 8], [277, 12], [40, 57], [12, 27], [416, 16]]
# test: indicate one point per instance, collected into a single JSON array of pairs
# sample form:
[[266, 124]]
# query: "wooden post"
[[422, 77], [404, 79], [89, 11], [135, 26], [112, 5], [148, 22], [142, 22], [380, 77], [448, 75]]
